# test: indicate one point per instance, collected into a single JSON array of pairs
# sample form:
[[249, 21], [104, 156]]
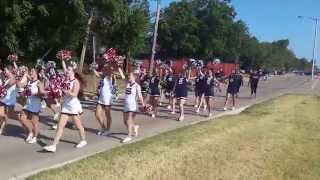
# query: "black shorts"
[[209, 93], [232, 90]]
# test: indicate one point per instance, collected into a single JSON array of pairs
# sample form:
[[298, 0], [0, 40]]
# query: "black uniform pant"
[[254, 86]]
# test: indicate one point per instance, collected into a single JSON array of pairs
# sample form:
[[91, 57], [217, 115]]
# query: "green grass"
[[278, 139]]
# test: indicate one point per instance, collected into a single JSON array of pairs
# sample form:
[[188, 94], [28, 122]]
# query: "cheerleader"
[[144, 82], [199, 89], [30, 115], [181, 92], [106, 86], [210, 83], [239, 80], [169, 86], [133, 90], [231, 90], [8, 102], [154, 92], [71, 107]]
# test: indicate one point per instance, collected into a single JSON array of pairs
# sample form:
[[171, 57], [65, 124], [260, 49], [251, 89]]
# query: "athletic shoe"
[[54, 127], [181, 118], [43, 104], [173, 112], [32, 141], [198, 110], [169, 107], [160, 104], [233, 108], [195, 106], [225, 108], [127, 139], [101, 132], [29, 137], [81, 144], [136, 130], [51, 148], [153, 115], [209, 115], [56, 116]]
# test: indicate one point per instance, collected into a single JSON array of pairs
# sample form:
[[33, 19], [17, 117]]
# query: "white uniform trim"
[[33, 103], [71, 105], [11, 98]]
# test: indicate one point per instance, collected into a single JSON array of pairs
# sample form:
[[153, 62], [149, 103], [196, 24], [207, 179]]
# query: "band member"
[[239, 80], [71, 107], [133, 90]]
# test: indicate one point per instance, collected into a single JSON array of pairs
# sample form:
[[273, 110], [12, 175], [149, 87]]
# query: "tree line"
[[203, 29]]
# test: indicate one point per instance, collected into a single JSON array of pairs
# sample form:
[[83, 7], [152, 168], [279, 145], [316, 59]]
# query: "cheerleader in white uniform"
[[8, 102], [133, 90], [30, 114], [71, 107], [105, 99]]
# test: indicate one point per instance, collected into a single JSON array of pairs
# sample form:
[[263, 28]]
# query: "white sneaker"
[[32, 141], [233, 108], [101, 132], [198, 110], [56, 116], [195, 106], [225, 108], [29, 137], [81, 144], [153, 115], [54, 127], [136, 130], [160, 104], [181, 118], [168, 107], [43, 104], [173, 112], [127, 139], [210, 114], [51, 148]]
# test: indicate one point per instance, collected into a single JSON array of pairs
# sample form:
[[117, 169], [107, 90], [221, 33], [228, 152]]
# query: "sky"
[[271, 20]]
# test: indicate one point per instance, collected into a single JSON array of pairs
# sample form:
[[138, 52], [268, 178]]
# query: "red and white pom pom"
[[3, 91], [64, 55], [13, 57], [147, 108], [110, 56], [26, 91]]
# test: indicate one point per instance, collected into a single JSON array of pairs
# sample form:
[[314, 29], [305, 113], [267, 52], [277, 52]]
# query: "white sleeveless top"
[[105, 91], [11, 98], [71, 105], [130, 102], [33, 103]]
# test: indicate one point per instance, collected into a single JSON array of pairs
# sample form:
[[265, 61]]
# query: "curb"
[[226, 113]]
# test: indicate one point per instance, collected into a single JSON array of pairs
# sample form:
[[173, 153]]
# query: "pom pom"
[[3, 91], [110, 56], [64, 55], [13, 57], [147, 108], [26, 91]]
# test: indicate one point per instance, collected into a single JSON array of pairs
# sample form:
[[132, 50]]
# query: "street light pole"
[[155, 34], [316, 21]]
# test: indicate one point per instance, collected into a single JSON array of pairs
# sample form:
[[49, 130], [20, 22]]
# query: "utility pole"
[[314, 55], [85, 42], [155, 34]]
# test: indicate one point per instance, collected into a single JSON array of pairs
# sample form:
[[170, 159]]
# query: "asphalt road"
[[18, 159]]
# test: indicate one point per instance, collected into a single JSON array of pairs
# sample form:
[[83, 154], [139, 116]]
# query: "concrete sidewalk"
[[19, 160]]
